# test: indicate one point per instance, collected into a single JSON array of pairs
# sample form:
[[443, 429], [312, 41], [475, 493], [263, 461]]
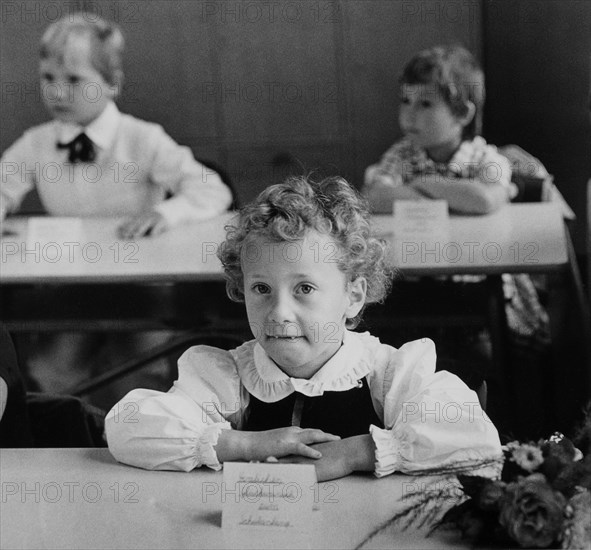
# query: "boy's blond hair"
[[105, 37]]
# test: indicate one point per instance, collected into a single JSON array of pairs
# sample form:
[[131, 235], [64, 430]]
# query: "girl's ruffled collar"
[[266, 381]]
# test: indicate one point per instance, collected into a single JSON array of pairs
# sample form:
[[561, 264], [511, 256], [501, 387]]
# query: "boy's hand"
[[150, 223]]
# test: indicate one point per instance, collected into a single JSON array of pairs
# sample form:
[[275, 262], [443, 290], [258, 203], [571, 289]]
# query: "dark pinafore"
[[344, 413]]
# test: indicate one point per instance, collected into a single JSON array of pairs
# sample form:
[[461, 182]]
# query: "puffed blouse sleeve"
[[178, 430], [432, 421]]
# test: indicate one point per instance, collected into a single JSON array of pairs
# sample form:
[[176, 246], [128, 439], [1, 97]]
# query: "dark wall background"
[[260, 87], [266, 88], [537, 56]]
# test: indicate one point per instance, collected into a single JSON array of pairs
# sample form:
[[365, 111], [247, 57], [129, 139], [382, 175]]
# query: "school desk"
[[518, 238], [93, 281], [83, 498]]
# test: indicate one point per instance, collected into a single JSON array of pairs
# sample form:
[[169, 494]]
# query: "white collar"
[[267, 382], [101, 130]]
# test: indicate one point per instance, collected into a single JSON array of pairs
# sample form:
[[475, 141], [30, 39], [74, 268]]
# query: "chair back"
[[529, 175]]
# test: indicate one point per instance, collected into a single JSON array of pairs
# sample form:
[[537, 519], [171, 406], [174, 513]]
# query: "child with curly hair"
[[306, 388]]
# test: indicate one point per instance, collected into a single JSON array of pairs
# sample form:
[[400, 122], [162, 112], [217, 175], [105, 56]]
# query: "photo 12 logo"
[[48, 11], [60, 492], [69, 252], [472, 252], [270, 11]]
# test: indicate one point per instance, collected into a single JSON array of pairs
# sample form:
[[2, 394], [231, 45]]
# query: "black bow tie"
[[81, 149]]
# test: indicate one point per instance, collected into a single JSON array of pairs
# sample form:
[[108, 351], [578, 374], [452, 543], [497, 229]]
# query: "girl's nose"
[[281, 310]]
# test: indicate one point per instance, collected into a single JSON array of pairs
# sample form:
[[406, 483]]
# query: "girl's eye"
[[47, 77], [404, 100], [306, 289], [426, 103], [74, 80], [260, 288]]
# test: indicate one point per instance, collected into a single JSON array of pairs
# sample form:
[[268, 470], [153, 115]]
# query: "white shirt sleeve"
[[198, 192], [492, 168], [433, 421], [17, 174], [178, 430]]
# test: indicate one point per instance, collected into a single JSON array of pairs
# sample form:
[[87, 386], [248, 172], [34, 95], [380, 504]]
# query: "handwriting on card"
[[265, 495], [427, 220]]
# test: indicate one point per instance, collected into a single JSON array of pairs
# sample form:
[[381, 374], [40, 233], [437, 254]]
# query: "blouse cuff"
[[388, 448], [207, 441]]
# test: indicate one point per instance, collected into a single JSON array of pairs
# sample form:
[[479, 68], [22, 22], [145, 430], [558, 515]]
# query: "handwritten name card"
[[268, 496], [426, 220]]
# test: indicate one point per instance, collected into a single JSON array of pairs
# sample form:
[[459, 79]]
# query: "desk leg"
[[569, 383], [497, 320]]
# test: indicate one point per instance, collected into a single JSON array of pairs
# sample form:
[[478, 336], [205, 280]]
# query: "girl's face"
[[72, 89], [426, 119], [297, 300]]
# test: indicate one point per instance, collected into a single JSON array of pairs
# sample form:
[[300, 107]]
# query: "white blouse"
[[432, 420]]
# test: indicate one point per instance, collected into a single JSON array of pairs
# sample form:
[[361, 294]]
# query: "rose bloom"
[[532, 513], [491, 495]]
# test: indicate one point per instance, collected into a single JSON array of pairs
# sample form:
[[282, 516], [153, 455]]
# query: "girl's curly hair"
[[286, 212]]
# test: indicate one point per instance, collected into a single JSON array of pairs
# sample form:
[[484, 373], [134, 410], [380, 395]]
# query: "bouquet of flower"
[[542, 499]]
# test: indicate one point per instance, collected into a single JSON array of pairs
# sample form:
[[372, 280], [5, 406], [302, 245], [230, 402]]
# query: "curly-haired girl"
[[306, 388]]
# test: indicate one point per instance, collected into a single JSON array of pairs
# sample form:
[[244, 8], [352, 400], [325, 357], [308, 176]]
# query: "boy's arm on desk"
[[381, 196], [469, 196]]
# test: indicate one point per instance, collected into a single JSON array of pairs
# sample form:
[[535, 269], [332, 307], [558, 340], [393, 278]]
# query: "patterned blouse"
[[474, 159]]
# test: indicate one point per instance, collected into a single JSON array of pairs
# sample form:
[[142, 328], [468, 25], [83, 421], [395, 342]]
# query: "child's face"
[[72, 89], [297, 300], [427, 120]]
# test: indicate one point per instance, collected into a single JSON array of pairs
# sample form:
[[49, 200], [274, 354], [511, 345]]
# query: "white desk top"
[[186, 253], [82, 498], [518, 238]]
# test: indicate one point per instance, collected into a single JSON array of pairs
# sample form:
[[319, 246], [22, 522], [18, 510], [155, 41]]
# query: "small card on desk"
[[49, 229], [268, 496], [424, 220]]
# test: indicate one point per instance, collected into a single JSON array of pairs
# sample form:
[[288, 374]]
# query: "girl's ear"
[[470, 114], [357, 291]]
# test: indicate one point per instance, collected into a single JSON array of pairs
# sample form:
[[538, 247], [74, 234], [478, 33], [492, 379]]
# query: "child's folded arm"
[[433, 421], [383, 185], [381, 196], [161, 431], [389, 169], [179, 430], [467, 195], [198, 192]]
